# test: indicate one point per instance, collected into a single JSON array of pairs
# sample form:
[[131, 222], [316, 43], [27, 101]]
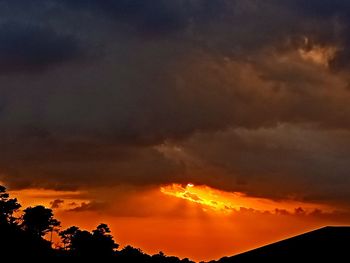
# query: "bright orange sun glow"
[[228, 202]]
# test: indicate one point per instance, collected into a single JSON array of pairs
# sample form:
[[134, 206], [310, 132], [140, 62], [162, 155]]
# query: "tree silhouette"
[[8, 207], [83, 243], [67, 236], [161, 258], [102, 229], [103, 240], [12, 238], [131, 254], [39, 220], [25, 235]]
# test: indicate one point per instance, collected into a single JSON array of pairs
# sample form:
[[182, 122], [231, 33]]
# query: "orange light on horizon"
[[189, 220]]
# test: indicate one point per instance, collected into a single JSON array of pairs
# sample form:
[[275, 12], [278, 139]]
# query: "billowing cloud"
[[250, 96], [282, 162]]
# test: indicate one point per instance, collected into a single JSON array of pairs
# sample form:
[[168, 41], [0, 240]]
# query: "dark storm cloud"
[[50, 164], [322, 8], [158, 17], [26, 48], [301, 162], [165, 71], [336, 13]]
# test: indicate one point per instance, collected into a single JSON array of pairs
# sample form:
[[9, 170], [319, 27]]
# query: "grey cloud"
[[26, 48], [165, 72], [284, 162], [46, 164]]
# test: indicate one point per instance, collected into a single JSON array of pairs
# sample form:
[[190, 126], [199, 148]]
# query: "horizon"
[[200, 128], [280, 224], [37, 225]]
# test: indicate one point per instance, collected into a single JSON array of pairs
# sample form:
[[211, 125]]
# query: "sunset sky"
[[200, 128]]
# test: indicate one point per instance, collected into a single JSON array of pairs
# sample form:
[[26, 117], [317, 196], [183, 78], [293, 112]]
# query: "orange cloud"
[[228, 202]]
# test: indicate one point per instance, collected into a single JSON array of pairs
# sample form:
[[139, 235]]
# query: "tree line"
[[23, 235]]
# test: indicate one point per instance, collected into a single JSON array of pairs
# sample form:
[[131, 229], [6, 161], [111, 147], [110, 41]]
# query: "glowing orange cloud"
[[228, 202]]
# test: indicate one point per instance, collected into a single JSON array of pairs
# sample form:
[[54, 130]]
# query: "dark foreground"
[[22, 236], [328, 244]]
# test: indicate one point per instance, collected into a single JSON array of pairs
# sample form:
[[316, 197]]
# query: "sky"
[[201, 128]]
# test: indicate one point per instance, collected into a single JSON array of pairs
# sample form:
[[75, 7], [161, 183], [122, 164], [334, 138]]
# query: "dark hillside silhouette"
[[328, 244]]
